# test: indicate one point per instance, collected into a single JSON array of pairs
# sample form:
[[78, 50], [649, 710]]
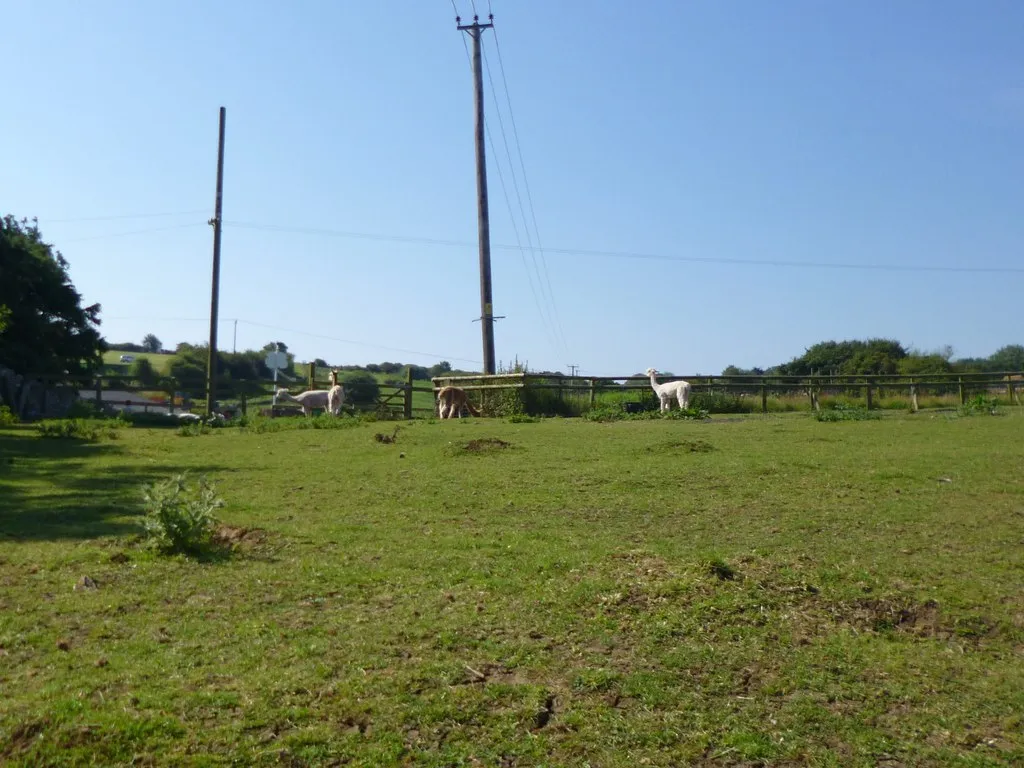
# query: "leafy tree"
[[142, 371], [440, 369], [361, 388], [1009, 358], [849, 358], [321, 363], [46, 330], [275, 345], [151, 343], [916, 364]]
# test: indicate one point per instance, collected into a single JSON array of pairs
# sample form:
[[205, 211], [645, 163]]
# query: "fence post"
[[312, 376], [869, 398], [408, 393], [99, 390], [764, 396], [243, 404], [963, 393], [593, 393], [913, 396]]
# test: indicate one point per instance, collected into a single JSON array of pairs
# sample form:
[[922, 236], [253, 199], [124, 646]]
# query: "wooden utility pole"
[[475, 30], [216, 222]]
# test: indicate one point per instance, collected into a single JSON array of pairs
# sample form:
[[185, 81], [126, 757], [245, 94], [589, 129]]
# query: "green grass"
[[112, 361], [741, 591]]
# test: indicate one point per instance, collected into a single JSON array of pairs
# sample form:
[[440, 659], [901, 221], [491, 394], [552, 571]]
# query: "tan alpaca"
[[451, 401]]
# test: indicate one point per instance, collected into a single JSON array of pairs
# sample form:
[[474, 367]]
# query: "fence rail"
[[117, 391]]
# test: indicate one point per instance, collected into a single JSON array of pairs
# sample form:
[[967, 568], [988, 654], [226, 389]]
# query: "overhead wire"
[[526, 227], [297, 332], [135, 232], [515, 227], [713, 260], [526, 183], [126, 216]]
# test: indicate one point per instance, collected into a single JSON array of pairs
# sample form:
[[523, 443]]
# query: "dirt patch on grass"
[[681, 446], [22, 737], [887, 614], [486, 444], [231, 537]]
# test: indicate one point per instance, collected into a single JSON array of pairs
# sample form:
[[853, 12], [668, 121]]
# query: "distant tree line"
[[874, 357]]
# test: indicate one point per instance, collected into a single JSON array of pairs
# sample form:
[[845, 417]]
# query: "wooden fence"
[[398, 399], [871, 388]]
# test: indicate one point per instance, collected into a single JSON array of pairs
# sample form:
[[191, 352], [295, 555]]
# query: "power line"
[[135, 232], [295, 331], [526, 225], [433, 355], [714, 260], [508, 204], [526, 185], [125, 216]]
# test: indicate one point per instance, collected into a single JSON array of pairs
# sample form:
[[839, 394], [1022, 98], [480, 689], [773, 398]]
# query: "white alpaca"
[[310, 399], [335, 399], [665, 392]]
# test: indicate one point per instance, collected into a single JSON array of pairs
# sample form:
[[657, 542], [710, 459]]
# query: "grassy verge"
[[762, 591]]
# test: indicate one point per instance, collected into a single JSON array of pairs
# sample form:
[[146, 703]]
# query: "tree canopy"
[[151, 343], [44, 329]]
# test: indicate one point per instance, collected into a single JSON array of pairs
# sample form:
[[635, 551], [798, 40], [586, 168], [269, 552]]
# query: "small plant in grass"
[[179, 517], [979, 405], [194, 429], [522, 418], [841, 412], [717, 567], [7, 418], [89, 430]]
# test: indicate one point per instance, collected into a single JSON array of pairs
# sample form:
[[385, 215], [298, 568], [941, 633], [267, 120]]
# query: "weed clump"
[[180, 518], [979, 405], [843, 412], [89, 430], [7, 418]]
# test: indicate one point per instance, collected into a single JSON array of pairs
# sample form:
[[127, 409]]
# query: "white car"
[[127, 358]]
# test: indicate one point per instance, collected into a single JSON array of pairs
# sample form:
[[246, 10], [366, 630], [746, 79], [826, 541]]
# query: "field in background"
[[112, 361], [743, 591]]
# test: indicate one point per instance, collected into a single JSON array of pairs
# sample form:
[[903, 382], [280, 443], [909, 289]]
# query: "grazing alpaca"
[[313, 398], [451, 401], [335, 395], [665, 392], [335, 399]]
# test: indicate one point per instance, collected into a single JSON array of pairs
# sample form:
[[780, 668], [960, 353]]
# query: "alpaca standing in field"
[[451, 401], [665, 392], [335, 395], [310, 399]]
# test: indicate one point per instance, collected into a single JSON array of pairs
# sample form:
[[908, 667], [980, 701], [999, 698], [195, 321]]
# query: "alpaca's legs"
[[681, 395]]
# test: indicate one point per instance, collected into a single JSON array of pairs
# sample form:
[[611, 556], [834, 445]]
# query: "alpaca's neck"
[[654, 381]]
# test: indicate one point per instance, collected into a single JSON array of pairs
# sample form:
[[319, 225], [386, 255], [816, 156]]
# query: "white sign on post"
[[276, 361]]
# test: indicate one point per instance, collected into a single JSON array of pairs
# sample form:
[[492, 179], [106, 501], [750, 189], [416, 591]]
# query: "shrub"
[[180, 518], [89, 430], [7, 418], [840, 412], [361, 388], [720, 402], [608, 412], [979, 405], [84, 409], [150, 419], [194, 429]]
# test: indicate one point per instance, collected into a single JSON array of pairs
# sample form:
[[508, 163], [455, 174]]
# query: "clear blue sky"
[[835, 133]]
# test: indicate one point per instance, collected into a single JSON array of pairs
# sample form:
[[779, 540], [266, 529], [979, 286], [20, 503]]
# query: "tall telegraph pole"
[[475, 30], [216, 222]]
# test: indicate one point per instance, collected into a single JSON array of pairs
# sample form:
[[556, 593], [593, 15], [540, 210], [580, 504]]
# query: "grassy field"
[[112, 360], [735, 592]]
